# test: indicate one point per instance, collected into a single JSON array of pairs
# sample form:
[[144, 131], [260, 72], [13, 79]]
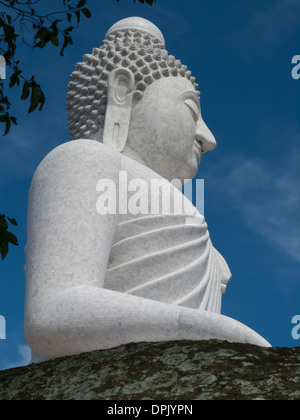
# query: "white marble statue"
[[98, 279]]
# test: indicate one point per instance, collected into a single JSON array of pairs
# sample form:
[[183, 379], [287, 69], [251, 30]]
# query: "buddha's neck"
[[135, 156]]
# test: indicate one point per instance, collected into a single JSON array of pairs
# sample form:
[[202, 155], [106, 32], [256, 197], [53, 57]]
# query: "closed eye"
[[193, 108]]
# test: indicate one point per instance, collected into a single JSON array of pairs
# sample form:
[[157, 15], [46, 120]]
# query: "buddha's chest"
[[158, 257]]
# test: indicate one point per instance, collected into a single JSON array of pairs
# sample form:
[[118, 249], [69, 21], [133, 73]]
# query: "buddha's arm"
[[67, 310]]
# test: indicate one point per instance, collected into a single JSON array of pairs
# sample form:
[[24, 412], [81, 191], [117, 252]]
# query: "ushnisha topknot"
[[141, 51], [137, 24]]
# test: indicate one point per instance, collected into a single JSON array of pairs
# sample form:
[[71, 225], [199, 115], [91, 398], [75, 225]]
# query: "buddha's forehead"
[[171, 87]]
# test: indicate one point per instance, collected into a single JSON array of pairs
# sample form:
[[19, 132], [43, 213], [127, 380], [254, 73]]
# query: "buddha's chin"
[[190, 171], [183, 171], [195, 164]]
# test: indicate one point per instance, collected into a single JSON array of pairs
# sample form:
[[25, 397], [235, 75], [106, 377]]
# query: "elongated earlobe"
[[120, 91]]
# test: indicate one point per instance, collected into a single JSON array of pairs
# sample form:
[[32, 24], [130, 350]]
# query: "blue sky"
[[241, 54]]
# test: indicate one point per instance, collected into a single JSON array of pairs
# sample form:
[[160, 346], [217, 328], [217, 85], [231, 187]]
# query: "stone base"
[[184, 370]]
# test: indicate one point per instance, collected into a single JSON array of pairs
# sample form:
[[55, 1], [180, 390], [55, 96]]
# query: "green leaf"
[[55, 41], [7, 126], [41, 34], [3, 249], [42, 100], [8, 237], [12, 221], [14, 120], [3, 223], [81, 4], [68, 30], [15, 79], [67, 41], [35, 99], [26, 91], [86, 12], [5, 101], [77, 13]]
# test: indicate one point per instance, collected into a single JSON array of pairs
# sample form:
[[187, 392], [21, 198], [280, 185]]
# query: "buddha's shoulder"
[[83, 149], [90, 158], [80, 155]]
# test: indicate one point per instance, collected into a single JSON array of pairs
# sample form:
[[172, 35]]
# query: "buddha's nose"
[[205, 137]]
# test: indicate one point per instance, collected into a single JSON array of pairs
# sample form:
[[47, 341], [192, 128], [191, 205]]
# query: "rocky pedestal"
[[183, 370]]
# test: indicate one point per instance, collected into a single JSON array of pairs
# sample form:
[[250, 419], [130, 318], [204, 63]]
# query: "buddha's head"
[[133, 96]]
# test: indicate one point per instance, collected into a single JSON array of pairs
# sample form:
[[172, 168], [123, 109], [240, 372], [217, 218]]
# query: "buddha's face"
[[167, 132]]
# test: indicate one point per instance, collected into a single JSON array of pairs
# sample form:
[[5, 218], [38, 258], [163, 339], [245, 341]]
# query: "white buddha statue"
[[95, 279]]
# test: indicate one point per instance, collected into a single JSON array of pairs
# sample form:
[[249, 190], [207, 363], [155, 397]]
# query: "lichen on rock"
[[182, 370]]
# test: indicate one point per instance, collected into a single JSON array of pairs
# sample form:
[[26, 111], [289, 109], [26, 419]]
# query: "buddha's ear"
[[120, 89]]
